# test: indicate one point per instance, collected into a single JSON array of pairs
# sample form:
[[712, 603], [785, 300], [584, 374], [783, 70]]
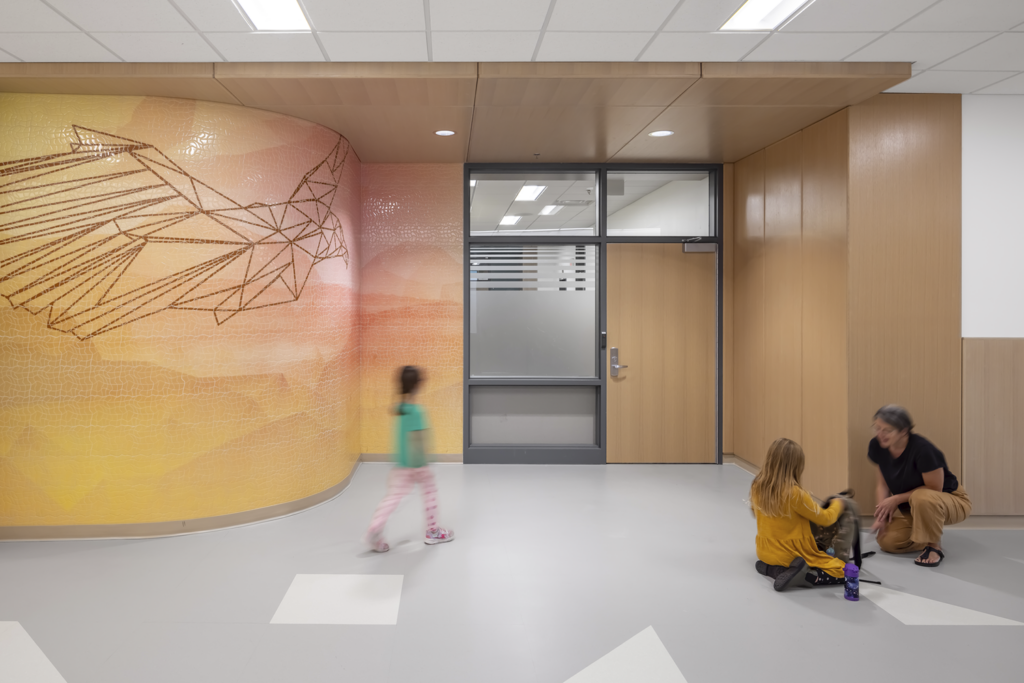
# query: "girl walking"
[[784, 512], [411, 433]]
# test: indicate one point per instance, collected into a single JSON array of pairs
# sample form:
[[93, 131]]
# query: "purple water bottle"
[[852, 573]]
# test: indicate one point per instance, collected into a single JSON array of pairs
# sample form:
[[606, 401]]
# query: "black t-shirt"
[[903, 474]]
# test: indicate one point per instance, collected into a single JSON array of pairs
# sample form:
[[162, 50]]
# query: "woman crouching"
[[784, 512]]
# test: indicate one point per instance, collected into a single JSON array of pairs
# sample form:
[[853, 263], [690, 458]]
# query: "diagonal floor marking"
[[641, 659], [913, 610], [21, 659], [355, 599]]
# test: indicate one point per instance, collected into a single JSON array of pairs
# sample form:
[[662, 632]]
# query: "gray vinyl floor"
[[553, 567]]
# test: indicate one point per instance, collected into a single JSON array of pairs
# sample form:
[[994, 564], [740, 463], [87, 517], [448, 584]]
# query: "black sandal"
[[928, 550]]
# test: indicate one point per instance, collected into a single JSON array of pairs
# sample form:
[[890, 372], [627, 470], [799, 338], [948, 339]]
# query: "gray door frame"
[[558, 453]]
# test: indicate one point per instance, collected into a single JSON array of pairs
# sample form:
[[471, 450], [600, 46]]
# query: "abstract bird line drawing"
[[114, 231]]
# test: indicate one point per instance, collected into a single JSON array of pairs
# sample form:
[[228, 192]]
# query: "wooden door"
[[662, 320]]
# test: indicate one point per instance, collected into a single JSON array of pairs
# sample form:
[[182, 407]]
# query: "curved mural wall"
[[179, 305]]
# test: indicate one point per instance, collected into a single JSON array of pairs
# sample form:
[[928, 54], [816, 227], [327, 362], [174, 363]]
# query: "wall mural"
[[180, 331]]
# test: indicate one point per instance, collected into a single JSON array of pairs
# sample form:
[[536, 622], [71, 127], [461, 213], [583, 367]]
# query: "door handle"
[[615, 362]]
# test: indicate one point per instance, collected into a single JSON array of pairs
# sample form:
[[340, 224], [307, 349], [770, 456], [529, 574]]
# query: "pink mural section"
[[179, 321], [411, 262]]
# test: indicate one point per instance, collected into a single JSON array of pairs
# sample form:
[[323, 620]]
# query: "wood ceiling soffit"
[[366, 84], [182, 80], [788, 84]]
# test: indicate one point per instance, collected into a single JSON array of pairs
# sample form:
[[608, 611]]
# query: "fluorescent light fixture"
[[472, 183], [444, 133], [529, 193], [763, 15], [510, 220], [661, 133], [550, 210], [275, 15]]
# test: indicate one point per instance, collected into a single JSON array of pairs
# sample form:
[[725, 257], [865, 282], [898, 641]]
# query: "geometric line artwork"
[[21, 659], [913, 610], [114, 231], [352, 599], [641, 659]]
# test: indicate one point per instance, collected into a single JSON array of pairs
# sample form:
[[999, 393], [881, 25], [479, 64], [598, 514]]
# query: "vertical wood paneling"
[[904, 270], [728, 245], [748, 302], [993, 409], [824, 388], [783, 291]]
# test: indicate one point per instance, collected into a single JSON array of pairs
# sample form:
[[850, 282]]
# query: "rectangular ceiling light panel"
[[529, 193], [763, 15], [275, 15], [510, 220]]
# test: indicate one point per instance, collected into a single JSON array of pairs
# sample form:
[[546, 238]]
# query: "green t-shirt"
[[411, 418]]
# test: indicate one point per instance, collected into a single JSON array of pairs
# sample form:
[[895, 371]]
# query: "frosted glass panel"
[[532, 203], [533, 311], [659, 205], [533, 415]]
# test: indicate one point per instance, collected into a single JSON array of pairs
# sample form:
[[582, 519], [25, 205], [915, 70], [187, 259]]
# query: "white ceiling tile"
[[158, 47], [360, 15], [32, 15], [1011, 86], [591, 47], [479, 46], [856, 15], [6, 57], [267, 47], [610, 15], [122, 15], [55, 47], [701, 47], [925, 50], [1005, 52], [214, 15], [949, 81], [375, 46], [810, 47], [703, 15], [969, 15], [473, 15]]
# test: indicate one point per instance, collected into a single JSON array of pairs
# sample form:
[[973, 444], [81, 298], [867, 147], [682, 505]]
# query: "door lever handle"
[[619, 367], [615, 362]]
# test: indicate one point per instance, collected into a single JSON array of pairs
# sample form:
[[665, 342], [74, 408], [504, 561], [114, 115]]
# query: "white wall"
[[993, 216]]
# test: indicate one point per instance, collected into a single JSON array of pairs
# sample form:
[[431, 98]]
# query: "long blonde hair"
[[773, 485]]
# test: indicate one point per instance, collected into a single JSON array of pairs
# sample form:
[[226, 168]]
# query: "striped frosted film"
[[533, 311]]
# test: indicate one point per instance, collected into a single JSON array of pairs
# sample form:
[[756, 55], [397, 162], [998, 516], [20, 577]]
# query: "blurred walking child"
[[411, 447], [786, 548]]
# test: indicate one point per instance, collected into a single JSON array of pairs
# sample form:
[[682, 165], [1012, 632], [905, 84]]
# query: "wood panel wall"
[[904, 270], [728, 395], [993, 405]]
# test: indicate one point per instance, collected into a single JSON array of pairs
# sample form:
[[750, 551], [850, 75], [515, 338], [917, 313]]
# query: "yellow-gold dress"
[[780, 540]]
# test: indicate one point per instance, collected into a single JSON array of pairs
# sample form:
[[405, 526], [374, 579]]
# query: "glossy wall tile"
[[179, 330], [412, 296]]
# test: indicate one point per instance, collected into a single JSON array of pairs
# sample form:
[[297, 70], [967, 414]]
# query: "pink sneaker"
[[439, 535], [376, 544]]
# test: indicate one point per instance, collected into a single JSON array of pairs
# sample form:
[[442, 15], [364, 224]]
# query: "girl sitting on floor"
[[784, 512]]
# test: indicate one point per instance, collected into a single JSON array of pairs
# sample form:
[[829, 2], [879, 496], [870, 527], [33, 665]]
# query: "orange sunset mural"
[[179, 327]]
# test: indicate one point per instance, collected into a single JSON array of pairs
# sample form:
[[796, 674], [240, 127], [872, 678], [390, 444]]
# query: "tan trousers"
[[929, 512]]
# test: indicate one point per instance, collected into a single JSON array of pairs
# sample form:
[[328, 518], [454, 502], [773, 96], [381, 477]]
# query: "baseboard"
[[388, 457], [729, 459], [176, 527]]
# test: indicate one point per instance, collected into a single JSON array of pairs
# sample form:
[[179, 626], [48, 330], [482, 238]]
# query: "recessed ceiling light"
[[529, 193], [661, 133], [509, 220], [472, 183], [444, 133], [550, 210], [275, 15], [763, 15]]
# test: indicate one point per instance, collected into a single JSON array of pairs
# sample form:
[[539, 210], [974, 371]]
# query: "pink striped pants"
[[400, 483]]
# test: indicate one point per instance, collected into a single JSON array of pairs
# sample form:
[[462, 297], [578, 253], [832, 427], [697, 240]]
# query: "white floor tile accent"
[[356, 599], [913, 610], [21, 660], [641, 659]]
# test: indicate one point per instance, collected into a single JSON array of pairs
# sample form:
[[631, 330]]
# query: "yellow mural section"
[[411, 293], [179, 321]]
